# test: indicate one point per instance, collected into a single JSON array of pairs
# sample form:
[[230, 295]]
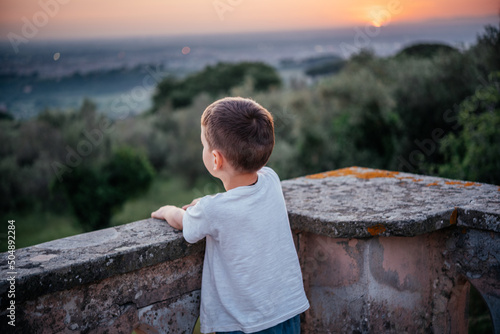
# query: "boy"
[[251, 281]]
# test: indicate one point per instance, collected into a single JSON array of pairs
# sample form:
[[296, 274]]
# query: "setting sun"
[[375, 15], [378, 14]]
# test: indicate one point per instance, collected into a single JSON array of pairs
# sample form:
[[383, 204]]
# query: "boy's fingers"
[[155, 214]]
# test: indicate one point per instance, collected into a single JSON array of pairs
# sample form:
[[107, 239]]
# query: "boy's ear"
[[218, 159]]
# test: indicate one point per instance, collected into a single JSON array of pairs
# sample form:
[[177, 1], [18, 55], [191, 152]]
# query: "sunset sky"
[[122, 18]]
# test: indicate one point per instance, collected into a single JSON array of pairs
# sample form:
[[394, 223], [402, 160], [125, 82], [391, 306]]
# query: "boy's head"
[[242, 130]]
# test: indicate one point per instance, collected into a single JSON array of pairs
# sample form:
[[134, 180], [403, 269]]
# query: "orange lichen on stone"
[[468, 184], [376, 173], [453, 217], [359, 172], [376, 229], [463, 184], [453, 183], [408, 178]]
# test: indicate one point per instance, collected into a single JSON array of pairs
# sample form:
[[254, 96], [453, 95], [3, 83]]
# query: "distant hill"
[[313, 66], [425, 50]]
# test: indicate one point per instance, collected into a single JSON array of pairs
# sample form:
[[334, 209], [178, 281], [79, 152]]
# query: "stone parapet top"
[[360, 202], [89, 257]]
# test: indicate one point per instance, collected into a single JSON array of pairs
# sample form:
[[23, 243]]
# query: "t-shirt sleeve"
[[195, 223], [271, 172]]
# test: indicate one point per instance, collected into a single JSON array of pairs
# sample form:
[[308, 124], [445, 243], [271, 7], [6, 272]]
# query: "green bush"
[[95, 193]]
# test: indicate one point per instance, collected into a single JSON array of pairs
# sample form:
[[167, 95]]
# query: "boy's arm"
[[172, 214]]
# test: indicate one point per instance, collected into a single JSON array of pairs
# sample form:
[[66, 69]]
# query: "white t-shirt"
[[251, 273]]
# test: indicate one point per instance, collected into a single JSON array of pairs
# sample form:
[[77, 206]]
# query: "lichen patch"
[[359, 172], [376, 229]]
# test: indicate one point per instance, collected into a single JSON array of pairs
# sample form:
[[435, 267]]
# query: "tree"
[[95, 192], [487, 50], [425, 91], [472, 153]]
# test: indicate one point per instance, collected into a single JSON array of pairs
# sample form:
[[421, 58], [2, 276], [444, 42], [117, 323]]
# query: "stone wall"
[[394, 252], [141, 276], [380, 252]]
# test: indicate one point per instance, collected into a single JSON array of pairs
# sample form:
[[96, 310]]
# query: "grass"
[[36, 227], [162, 192]]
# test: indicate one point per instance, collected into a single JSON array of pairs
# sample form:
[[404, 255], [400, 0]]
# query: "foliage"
[[323, 65], [26, 155], [95, 193], [486, 51], [31, 149], [144, 135], [214, 80], [424, 92], [364, 124], [330, 67], [183, 128], [472, 153]]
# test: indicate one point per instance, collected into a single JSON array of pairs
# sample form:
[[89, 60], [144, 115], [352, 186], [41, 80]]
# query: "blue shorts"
[[290, 326]]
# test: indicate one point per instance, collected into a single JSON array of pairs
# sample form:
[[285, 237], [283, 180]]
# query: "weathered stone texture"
[[361, 203], [172, 316], [392, 285], [106, 281], [86, 258], [103, 305]]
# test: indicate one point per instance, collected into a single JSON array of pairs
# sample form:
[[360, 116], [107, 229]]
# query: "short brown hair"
[[242, 130]]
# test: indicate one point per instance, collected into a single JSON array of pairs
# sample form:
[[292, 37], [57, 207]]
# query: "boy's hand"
[[193, 203], [172, 214]]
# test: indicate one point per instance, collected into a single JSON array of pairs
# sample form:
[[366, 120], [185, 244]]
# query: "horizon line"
[[484, 20]]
